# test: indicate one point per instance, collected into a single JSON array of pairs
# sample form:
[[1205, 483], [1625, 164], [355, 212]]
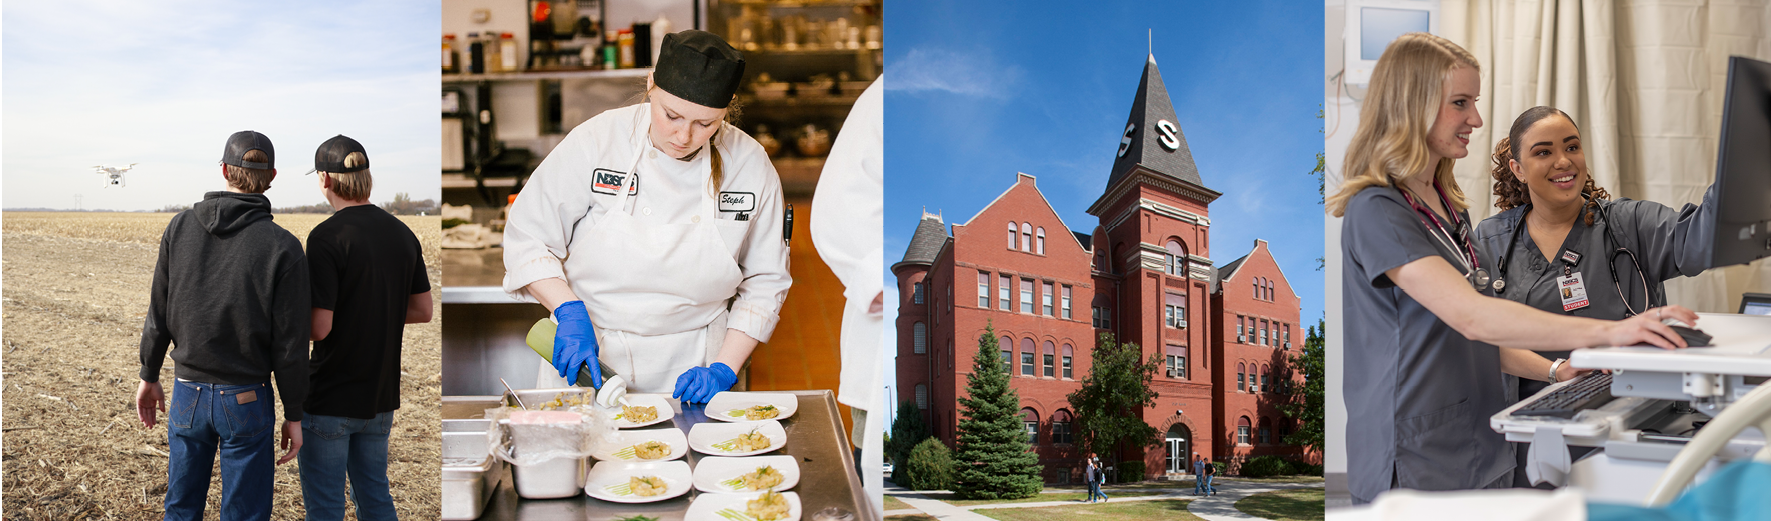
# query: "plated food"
[[725, 475], [746, 406], [776, 506], [737, 439], [651, 449], [770, 506], [636, 482], [643, 410], [639, 445]]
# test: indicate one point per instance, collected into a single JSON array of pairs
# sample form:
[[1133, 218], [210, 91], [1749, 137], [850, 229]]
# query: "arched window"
[[1061, 428], [920, 335], [1266, 431], [1050, 359], [1007, 345], [1011, 235], [1176, 259], [1242, 430], [1257, 287], [1269, 289], [1264, 375], [1067, 355], [1027, 357], [1030, 421], [1026, 237], [1241, 374], [1039, 241]]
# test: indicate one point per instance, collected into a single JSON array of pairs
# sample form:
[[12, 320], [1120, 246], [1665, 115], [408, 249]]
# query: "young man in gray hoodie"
[[230, 291]]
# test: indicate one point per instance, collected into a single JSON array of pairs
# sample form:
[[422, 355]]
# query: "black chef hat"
[[246, 141], [699, 67], [330, 156]]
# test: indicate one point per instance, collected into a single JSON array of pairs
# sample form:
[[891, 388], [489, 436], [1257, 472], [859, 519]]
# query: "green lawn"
[[952, 499], [912, 517], [892, 503], [1301, 504], [1110, 511], [1141, 485], [1278, 479]]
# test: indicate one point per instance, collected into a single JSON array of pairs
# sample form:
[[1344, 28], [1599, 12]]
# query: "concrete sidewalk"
[[1221, 507]]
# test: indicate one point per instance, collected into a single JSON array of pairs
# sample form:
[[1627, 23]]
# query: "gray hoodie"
[[231, 290]]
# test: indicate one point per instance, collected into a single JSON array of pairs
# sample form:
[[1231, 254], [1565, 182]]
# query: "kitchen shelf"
[[548, 75]]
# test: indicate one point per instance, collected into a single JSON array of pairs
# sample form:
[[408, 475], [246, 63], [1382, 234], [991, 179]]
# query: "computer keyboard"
[[1592, 390]]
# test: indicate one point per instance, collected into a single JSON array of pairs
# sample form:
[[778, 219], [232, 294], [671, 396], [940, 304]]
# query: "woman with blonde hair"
[[1560, 231], [1423, 374], [672, 281]]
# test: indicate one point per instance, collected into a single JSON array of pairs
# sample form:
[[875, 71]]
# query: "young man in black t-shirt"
[[369, 281]]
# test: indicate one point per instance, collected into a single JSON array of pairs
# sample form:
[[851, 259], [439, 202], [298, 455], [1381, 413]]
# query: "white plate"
[[712, 471], [723, 404], [661, 401], [619, 450], [708, 506], [704, 437], [608, 480]]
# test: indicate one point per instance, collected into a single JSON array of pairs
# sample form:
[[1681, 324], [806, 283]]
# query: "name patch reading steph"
[[737, 202], [607, 182]]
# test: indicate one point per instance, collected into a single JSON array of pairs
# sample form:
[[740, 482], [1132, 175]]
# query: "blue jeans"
[[1198, 483], [1094, 490], [333, 448], [209, 418], [1208, 488]]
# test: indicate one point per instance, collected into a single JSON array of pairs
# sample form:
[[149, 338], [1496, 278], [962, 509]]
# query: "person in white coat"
[[671, 282], [848, 223]]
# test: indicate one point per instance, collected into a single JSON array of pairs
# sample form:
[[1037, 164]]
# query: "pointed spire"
[[1152, 136]]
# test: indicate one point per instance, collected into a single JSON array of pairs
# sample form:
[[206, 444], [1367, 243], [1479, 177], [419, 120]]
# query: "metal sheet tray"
[[815, 437]]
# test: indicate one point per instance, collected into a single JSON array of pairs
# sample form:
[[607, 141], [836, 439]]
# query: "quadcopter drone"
[[114, 175]]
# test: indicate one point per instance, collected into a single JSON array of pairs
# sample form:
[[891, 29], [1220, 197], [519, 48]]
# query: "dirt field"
[[75, 293]]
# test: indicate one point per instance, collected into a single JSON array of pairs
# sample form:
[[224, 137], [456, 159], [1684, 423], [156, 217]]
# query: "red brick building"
[[1144, 274]]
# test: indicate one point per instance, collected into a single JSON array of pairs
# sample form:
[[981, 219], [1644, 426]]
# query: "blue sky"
[[163, 84], [977, 91]]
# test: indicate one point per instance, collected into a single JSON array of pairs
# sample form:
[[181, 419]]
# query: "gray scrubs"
[[1667, 243], [1418, 393]]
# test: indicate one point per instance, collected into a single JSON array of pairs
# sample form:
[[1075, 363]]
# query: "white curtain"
[[1643, 79]]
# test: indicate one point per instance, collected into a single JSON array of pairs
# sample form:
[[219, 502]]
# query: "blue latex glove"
[[699, 384], [574, 343]]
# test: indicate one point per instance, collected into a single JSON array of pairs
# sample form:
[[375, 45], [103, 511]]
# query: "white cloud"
[[968, 74]]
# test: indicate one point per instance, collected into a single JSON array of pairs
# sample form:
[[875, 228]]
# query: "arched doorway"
[[1180, 445]]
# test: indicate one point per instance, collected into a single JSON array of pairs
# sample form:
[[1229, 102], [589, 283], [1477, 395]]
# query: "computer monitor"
[[1755, 304], [1743, 166], [1373, 24]]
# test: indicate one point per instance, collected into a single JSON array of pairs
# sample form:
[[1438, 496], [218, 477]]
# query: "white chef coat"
[[577, 186], [848, 222]]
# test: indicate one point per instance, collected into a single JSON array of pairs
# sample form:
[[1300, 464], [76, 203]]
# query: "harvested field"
[[75, 294]]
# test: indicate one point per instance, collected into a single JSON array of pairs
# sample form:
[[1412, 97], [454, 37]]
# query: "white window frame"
[[1066, 302], [984, 289], [1045, 297]]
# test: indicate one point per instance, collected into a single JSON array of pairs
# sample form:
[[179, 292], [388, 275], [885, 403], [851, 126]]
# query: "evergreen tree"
[[1306, 404], [993, 460], [1110, 403], [908, 430]]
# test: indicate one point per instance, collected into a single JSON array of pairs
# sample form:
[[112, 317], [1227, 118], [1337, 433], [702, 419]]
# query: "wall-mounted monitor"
[[1373, 24]]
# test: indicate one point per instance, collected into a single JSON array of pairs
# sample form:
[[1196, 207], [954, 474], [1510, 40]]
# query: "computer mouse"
[[1693, 337]]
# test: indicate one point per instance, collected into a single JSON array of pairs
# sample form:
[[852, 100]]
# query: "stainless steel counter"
[[815, 436]]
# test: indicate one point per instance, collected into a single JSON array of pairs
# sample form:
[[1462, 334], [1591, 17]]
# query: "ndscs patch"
[[607, 182]]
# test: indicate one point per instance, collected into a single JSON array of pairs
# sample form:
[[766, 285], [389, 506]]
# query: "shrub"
[[1223, 468], [1129, 472], [931, 466], [1306, 469], [1264, 466]]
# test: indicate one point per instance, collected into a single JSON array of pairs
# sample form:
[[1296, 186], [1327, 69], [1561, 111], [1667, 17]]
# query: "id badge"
[[1574, 292]]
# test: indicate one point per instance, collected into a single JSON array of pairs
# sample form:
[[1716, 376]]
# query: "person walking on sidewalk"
[[1089, 471], [1100, 477], [1198, 474], [1210, 471]]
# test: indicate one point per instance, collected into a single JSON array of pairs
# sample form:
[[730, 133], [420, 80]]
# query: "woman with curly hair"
[[1422, 373], [1561, 231]]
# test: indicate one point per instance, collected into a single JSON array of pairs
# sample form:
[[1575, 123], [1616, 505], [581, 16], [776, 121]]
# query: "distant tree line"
[[401, 205]]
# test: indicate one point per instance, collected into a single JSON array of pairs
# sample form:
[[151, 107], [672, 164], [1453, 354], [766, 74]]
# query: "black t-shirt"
[[365, 264]]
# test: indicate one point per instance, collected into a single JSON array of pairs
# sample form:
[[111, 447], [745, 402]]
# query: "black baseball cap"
[[699, 67], [330, 156], [246, 141]]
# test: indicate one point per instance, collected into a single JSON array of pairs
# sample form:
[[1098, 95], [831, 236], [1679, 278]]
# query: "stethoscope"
[[1467, 254], [1500, 283]]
